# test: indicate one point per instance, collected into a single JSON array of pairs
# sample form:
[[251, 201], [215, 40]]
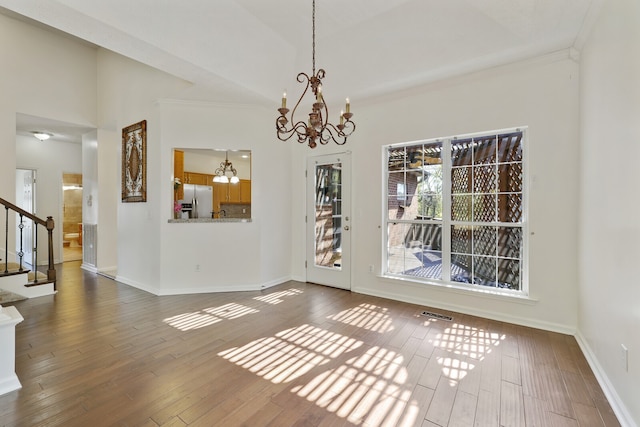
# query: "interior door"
[[329, 220], [25, 199]]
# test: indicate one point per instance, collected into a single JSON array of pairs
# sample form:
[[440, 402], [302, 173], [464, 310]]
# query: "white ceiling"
[[61, 131], [248, 51]]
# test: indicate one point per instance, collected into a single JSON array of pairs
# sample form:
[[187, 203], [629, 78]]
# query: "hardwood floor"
[[100, 353], [72, 253]]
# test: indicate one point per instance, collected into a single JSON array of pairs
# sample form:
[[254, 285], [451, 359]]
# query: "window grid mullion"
[[485, 221], [446, 210]]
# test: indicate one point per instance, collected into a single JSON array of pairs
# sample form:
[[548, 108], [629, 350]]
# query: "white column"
[[9, 318]]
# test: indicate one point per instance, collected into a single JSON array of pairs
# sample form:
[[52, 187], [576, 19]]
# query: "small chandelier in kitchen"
[[317, 129], [225, 168]]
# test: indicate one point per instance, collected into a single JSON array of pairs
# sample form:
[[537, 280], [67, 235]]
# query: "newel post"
[[9, 318], [51, 272]]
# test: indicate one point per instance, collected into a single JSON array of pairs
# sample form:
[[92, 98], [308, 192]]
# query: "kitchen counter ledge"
[[205, 220]]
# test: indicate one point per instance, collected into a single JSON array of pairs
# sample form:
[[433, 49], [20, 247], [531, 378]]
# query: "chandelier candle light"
[[317, 129]]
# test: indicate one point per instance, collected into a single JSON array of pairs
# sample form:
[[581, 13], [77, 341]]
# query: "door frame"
[[29, 231], [334, 277]]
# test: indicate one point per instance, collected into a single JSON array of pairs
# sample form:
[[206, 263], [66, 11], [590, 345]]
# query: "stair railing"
[[48, 224]]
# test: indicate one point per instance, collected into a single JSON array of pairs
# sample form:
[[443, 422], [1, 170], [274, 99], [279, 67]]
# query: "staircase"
[[14, 276]]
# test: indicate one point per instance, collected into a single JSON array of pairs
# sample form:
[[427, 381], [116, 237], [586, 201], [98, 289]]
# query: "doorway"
[[71, 217], [25, 229], [328, 220]]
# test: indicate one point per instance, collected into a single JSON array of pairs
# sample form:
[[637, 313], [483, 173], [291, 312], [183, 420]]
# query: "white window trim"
[[524, 292]]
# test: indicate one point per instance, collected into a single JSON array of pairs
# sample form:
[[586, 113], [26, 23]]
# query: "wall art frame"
[[134, 162]]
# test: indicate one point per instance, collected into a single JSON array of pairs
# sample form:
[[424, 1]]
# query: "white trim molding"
[[619, 408]]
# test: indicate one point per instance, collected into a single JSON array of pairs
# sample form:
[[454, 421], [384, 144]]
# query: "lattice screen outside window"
[[462, 217]]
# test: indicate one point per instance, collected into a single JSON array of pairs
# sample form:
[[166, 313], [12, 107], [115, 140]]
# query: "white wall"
[[33, 154], [63, 89], [90, 197], [541, 94], [230, 256], [609, 303], [108, 199], [159, 256], [90, 187], [127, 94]]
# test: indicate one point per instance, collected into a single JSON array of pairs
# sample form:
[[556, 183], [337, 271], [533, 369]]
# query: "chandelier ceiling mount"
[[317, 129]]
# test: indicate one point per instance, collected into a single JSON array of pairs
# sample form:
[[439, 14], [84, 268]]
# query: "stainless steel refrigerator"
[[201, 198]]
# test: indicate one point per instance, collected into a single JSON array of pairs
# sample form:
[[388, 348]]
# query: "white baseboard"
[[299, 278], [137, 285], [275, 282], [9, 384], [472, 311], [209, 290], [103, 269], [89, 268], [204, 290], [229, 288], [621, 411]]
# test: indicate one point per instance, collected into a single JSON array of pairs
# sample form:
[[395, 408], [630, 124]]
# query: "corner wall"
[[541, 94], [609, 297], [127, 233], [220, 257]]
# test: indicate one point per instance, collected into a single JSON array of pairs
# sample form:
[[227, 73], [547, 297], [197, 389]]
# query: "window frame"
[[447, 222]]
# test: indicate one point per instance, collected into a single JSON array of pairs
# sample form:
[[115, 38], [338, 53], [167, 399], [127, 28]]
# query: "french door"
[[329, 220]]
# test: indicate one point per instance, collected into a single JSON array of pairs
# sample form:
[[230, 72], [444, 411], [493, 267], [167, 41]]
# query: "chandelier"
[[226, 167], [317, 129]]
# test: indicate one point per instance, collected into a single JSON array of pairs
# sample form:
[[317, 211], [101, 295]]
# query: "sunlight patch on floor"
[[368, 388], [231, 311], [190, 321], [366, 316], [208, 316], [290, 353], [468, 341], [454, 369], [278, 297]]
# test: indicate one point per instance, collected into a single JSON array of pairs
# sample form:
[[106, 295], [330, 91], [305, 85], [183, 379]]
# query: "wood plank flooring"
[[100, 353]]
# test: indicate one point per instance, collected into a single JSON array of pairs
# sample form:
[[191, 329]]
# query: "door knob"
[[346, 227]]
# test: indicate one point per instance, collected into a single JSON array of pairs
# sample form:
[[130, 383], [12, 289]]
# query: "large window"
[[456, 210]]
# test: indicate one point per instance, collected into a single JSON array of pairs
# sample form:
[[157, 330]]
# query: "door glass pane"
[[328, 216]]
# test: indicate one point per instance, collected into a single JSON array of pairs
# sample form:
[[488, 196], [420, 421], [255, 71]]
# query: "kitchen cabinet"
[[234, 193], [220, 194], [178, 172], [245, 190], [197, 178]]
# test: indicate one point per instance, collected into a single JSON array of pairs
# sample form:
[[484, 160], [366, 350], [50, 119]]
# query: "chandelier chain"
[[317, 129], [313, 37]]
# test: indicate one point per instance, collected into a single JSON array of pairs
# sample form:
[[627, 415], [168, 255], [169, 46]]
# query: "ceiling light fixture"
[[318, 129], [42, 136], [225, 167]]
